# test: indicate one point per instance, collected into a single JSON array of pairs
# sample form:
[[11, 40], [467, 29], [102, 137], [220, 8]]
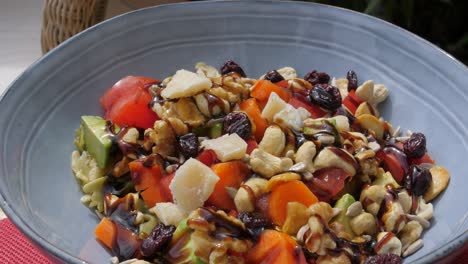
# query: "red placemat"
[[15, 248]]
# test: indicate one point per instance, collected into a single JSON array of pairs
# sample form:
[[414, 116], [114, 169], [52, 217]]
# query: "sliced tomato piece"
[[299, 100], [283, 84], [164, 183], [251, 145], [133, 111], [424, 159], [123, 88], [394, 161], [351, 102], [126, 103], [328, 182], [208, 157]]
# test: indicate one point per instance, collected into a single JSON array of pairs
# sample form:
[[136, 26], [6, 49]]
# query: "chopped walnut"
[[161, 138], [184, 109]]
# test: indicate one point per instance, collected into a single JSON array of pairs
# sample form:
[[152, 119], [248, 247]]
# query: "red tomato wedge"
[[351, 102], [328, 182], [208, 157], [126, 103], [394, 161], [251, 145], [299, 100], [424, 159], [164, 183]]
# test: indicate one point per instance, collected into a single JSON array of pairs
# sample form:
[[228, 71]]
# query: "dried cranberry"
[[274, 76], [230, 66], [418, 180], [239, 123], [188, 145], [157, 240], [315, 77], [352, 80], [325, 96], [255, 223], [299, 138], [387, 258], [254, 220], [415, 146]]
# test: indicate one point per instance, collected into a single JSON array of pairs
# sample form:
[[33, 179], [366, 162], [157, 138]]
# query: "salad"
[[211, 166]]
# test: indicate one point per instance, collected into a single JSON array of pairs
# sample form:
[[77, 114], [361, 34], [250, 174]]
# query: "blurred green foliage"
[[442, 22]]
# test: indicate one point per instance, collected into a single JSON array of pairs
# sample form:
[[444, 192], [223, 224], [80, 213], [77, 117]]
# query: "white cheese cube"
[[184, 84], [227, 147], [169, 213], [193, 183], [274, 105]]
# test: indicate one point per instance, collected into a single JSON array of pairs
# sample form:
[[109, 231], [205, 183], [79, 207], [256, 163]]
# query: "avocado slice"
[[385, 179], [343, 203], [183, 247], [97, 141]]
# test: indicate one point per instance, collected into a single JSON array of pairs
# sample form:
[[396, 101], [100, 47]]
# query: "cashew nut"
[[394, 219], [405, 200], [328, 158], [274, 141], [375, 195], [380, 94], [268, 165], [425, 210], [306, 154], [364, 223], [385, 245], [410, 233], [365, 92], [253, 187]]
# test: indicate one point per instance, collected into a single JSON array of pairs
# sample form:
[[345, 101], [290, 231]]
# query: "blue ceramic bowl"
[[41, 109]]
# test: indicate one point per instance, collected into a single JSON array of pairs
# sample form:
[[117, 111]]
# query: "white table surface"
[[20, 46], [20, 34]]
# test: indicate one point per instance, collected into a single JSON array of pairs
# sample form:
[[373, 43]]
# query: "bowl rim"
[[445, 250]]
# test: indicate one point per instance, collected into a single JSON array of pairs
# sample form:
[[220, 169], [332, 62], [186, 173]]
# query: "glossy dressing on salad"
[[210, 166]]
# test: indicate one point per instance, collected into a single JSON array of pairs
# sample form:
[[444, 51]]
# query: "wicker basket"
[[64, 18]]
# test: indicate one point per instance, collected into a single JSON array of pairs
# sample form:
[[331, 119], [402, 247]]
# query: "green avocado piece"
[[216, 130], [183, 247], [343, 203], [385, 179], [97, 141]]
